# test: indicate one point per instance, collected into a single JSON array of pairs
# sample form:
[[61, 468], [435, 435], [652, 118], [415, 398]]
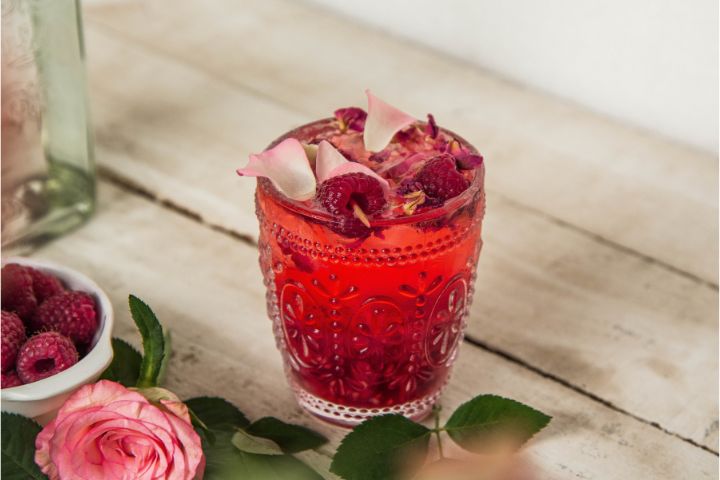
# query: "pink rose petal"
[[401, 165], [383, 122], [354, 167], [107, 431], [327, 159], [287, 166], [331, 163]]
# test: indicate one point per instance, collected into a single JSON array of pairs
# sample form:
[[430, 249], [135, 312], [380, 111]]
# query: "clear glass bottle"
[[48, 175]]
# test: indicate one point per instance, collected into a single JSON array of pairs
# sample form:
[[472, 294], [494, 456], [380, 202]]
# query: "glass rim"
[[451, 205]]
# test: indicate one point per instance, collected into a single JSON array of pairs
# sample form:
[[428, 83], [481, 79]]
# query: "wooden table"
[[597, 296]]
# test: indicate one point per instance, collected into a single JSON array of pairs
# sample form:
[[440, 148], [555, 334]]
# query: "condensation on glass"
[[48, 178]]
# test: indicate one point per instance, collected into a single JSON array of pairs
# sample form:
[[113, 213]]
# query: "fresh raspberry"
[[337, 194], [10, 379], [44, 355], [44, 284], [17, 291], [13, 336], [70, 313], [440, 179], [350, 227]]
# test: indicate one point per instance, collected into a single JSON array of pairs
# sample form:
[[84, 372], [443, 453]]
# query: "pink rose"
[[106, 431]]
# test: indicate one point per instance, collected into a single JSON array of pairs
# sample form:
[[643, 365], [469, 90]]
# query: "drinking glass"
[[368, 326]]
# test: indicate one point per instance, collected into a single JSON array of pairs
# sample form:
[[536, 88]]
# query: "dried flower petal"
[[287, 166], [455, 148], [400, 166], [331, 163], [468, 161], [431, 129], [383, 122], [380, 157], [351, 118], [414, 200]]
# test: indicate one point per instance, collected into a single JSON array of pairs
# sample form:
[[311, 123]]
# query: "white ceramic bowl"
[[41, 400]]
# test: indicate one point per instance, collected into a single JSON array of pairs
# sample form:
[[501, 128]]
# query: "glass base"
[[345, 416], [44, 207]]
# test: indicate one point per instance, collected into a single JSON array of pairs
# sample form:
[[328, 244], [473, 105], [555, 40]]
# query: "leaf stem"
[[436, 413]]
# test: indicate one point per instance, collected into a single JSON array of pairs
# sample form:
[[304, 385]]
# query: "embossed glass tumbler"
[[369, 326]]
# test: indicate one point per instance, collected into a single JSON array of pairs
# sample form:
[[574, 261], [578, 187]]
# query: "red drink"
[[369, 323]]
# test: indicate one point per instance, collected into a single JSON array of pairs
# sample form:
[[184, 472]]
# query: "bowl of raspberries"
[[56, 335]]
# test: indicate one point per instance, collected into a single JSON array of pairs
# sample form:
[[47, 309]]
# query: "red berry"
[[10, 379], [44, 284], [337, 194], [69, 313], [440, 179], [350, 227], [44, 355], [13, 336], [17, 291]]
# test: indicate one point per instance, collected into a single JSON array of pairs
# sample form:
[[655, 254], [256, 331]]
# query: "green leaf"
[[18, 448], [381, 448], [291, 438], [125, 366], [167, 342], [247, 443], [487, 418], [225, 462], [153, 342], [217, 413]]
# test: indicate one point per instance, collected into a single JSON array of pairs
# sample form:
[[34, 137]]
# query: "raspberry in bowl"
[[56, 335], [370, 232]]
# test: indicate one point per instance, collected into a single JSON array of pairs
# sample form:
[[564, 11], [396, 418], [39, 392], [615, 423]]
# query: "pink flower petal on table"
[[331, 163], [287, 166], [383, 122]]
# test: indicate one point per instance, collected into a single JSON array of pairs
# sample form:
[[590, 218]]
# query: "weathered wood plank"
[[618, 326], [640, 191], [207, 288]]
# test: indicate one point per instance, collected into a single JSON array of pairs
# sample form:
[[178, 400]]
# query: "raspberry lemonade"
[[370, 230]]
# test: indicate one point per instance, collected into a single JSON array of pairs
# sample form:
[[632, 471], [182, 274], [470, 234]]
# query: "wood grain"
[[616, 325], [207, 288], [629, 187]]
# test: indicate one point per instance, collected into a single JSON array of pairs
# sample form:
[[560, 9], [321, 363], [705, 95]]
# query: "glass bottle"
[[48, 175]]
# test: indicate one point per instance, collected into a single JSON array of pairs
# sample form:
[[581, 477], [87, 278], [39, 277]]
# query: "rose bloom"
[[105, 431]]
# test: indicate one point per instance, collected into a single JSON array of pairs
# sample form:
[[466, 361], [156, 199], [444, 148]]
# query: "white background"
[[651, 63]]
